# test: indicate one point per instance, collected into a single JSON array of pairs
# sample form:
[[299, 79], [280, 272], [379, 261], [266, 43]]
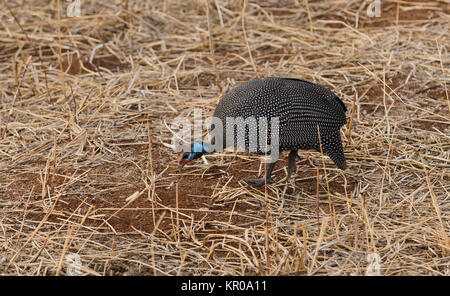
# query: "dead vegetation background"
[[86, 186]]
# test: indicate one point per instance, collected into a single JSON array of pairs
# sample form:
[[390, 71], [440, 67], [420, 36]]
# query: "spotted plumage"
[[300, 105]]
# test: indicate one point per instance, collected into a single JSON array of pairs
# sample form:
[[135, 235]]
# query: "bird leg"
[[257, 182], [291, 163]]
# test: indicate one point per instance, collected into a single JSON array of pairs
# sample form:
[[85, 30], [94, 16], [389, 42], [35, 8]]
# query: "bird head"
[[196, 151]]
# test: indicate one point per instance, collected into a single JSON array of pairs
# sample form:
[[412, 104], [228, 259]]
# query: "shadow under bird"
[[300, 107]]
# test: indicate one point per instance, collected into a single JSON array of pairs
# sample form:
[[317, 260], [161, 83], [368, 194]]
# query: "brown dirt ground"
[[106, 185]]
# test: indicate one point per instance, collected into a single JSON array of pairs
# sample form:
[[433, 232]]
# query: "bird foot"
[[257, 182], [291, 164]]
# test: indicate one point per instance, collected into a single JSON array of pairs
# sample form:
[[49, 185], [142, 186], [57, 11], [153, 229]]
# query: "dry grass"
[[82, 104]]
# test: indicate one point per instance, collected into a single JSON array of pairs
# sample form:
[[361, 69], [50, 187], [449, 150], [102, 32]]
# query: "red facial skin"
[[182, 162]]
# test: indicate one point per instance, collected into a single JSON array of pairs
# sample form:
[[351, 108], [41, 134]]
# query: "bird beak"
[[181, 163]]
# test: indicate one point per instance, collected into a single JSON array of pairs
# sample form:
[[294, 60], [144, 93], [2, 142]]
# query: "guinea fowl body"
[[300, 106]]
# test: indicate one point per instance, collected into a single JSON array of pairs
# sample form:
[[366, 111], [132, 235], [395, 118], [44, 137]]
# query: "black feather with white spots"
[[300, 106]]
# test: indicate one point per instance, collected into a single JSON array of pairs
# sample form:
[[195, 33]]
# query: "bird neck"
[[201, 148]]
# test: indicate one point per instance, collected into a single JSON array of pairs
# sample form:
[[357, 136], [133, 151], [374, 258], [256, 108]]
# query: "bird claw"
[[292, 167], [257, 182]]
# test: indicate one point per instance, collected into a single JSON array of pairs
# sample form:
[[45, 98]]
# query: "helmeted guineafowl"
[[300, 105]]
